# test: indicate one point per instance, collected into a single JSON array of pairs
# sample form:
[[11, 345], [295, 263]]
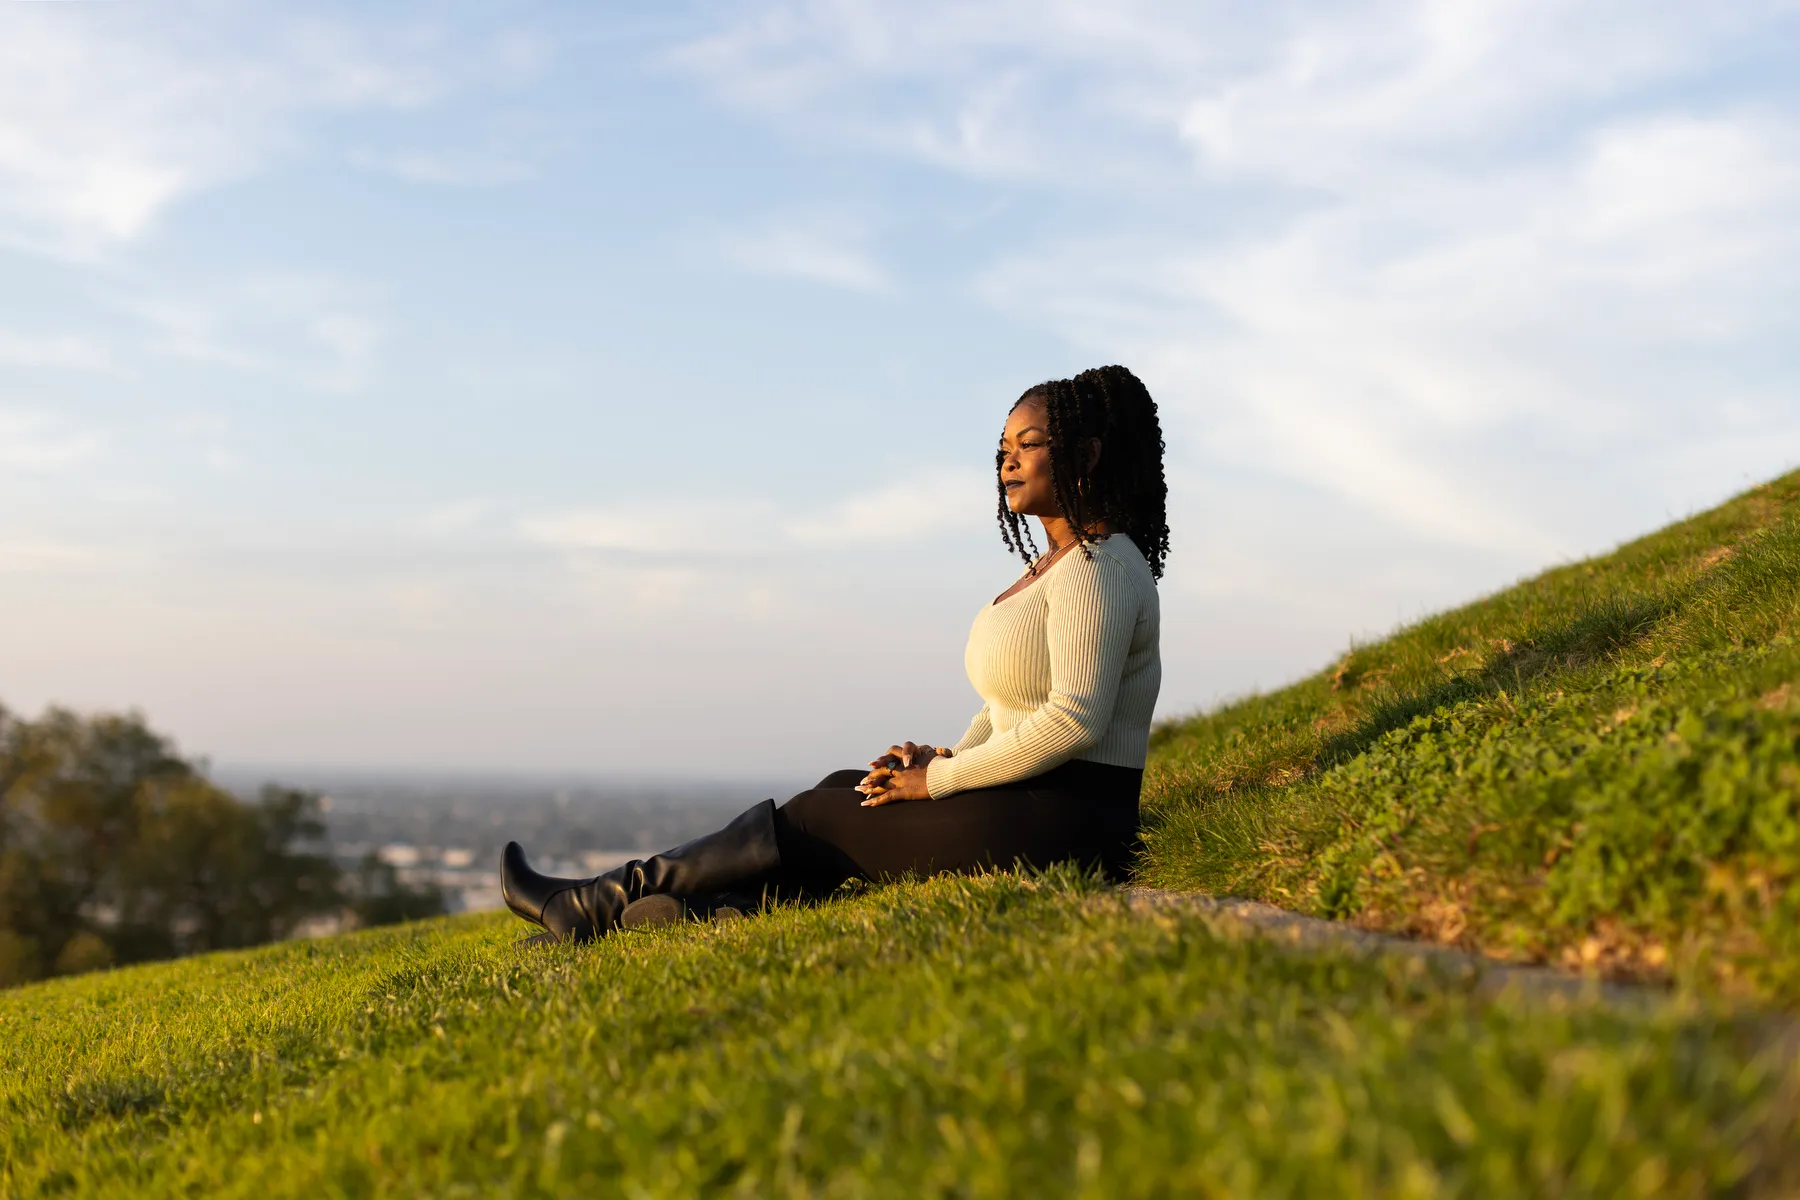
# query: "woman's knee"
[[814, 810], [841, 779]]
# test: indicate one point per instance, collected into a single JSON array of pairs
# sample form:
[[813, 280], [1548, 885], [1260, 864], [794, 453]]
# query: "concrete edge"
[[1490, 979]]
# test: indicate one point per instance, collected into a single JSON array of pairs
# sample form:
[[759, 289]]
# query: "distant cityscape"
[[448, 830]]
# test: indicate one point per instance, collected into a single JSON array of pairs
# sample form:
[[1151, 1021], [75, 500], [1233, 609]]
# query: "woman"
[[1066, 660]]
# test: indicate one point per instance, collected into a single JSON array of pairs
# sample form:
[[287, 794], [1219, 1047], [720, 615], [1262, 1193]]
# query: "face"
[[1025, 462]]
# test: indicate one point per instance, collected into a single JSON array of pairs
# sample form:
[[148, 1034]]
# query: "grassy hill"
[[961, 1038], [1598, 766]]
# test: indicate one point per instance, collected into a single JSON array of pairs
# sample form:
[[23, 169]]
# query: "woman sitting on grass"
[[1066, 660]]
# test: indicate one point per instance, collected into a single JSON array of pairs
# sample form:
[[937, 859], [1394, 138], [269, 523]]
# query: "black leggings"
[[1081, 812]]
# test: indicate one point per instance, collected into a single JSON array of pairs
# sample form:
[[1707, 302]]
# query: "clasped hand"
[[899, 774]]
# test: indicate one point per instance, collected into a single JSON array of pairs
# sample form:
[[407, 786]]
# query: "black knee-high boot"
[[741, 855]]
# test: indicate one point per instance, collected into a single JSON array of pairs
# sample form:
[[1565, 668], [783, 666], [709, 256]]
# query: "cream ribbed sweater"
[[1069, 668]]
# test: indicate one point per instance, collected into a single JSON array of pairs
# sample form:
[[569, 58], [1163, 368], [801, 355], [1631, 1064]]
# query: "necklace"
[[1051, 557]]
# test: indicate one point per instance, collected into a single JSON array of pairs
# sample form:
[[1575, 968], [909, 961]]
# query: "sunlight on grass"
[[1598, 768], [996, 1036]]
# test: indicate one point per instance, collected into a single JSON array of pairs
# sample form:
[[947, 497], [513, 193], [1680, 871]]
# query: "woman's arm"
[[980, 729], [884, 771], [916, 753], [1092, 610]]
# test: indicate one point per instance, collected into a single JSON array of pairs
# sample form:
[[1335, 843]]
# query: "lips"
[[1014, 483]]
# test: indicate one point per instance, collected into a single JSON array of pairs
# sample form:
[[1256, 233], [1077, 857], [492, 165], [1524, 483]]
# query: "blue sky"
[[613, 388]]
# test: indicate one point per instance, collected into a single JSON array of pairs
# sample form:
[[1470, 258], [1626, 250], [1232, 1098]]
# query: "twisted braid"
[[1126, 488], [1013, 529]]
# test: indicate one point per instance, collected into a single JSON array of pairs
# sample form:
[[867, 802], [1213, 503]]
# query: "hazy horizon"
[[316, 776]]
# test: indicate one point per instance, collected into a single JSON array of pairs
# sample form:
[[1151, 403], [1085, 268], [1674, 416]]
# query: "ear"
[[1093, 455]]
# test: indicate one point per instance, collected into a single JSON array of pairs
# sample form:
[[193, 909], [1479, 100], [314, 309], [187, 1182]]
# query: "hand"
[[910, 754], [885, 785]]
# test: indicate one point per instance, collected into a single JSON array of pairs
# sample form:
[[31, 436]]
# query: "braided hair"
[[1125, 489]]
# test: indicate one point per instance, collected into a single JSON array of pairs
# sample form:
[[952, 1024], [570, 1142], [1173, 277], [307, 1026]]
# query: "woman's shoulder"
[[1121, 548], [1114, 559]]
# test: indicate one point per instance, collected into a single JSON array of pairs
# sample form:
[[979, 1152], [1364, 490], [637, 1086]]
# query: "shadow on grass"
[[1598, 634], [110, 1098]]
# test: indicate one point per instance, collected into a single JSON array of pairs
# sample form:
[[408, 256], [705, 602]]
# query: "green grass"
[[1598, 768], [997, 1036]]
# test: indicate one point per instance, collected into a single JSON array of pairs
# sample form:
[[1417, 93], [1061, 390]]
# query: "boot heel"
[[653, 912]]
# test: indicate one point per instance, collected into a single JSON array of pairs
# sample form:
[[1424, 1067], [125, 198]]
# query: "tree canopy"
[[115, 849]]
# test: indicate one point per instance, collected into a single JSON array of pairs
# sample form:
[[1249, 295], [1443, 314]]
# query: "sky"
[[613, 388]]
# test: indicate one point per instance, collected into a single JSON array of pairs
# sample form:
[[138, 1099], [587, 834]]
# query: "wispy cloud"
[[677, 530], [1007, 89], [1431, 292], [1447, 250], [63, 351], [313, 327], [451, 168], [824, 250], [40, 442], [108, 115], [907, 513], [213, 440], [189, 329], [493, 150], [921, 505], [349, 341]]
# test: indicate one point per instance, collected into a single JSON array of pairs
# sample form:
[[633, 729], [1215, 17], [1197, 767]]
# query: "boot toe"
[[525, 891]]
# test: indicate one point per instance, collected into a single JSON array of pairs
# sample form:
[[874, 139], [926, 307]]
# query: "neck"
[[1060, 531]]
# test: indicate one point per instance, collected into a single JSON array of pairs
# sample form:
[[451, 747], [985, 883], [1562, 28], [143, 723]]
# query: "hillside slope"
[[1598, 768], [990, 1037]]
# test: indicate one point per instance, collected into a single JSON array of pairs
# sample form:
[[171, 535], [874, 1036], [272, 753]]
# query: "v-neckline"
[[1033, 580]]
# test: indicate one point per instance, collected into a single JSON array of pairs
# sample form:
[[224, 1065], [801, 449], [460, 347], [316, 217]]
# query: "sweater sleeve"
[[1091, 611], [980, 729]]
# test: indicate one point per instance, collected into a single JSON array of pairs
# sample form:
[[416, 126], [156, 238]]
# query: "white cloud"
[[1422, 284], [190, 329], [743, 559], [1425, 256], [42, 443], [451, 169], [642, 562], [904, 513], [673, 531], [1422, 352], [823, 250], [313, 327], [349, 341], [110, 114], [922, 505], [999, 89], [65, 351], [1056, 90], [492, 150], [212, 438]]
